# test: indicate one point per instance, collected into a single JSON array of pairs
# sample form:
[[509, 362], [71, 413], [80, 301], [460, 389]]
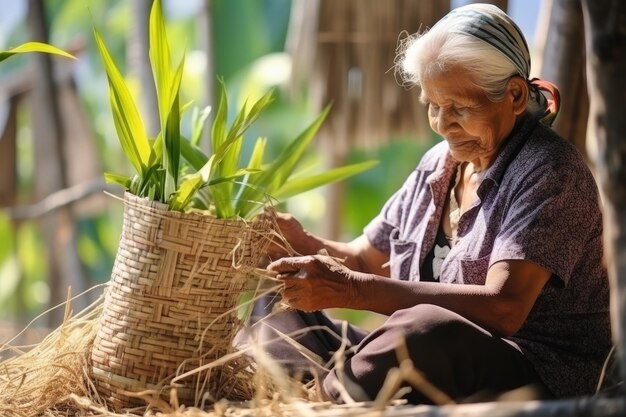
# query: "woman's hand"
[[315, 282], [291, 238]]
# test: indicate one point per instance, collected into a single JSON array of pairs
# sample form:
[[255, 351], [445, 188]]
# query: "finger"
[[289, 279], [289, 287], [289, 264]]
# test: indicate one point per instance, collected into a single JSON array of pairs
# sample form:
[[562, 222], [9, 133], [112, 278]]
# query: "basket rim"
[[132, 200]]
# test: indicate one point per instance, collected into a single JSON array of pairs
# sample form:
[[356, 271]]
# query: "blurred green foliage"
[[248, 54]]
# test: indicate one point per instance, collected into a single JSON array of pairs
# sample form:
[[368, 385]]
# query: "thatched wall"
[[345, 50]]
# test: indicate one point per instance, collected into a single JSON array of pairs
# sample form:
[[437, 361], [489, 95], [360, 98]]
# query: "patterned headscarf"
[[491, 25]]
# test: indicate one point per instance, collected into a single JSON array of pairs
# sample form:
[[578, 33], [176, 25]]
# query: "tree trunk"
[[8, 155], [64, 266], [563, 63], [605, 33]]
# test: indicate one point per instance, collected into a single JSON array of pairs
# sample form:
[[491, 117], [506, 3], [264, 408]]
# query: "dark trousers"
[[453, 354]]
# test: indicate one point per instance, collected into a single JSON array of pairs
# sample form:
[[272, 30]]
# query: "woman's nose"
[[442, 120]]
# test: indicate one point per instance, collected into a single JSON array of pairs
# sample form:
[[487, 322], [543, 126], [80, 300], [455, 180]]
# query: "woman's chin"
[[462, 155]]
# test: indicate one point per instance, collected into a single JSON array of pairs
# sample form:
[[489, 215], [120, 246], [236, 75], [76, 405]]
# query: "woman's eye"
[[461, 109]]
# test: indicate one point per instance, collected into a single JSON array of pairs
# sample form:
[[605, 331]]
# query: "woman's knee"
[[424, 329]]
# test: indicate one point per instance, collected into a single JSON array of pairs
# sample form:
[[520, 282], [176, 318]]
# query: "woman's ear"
[[518, 91]]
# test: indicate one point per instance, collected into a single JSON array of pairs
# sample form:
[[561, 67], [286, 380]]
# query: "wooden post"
[[64, 267], [563, 63], [8, 155], [605, 34]]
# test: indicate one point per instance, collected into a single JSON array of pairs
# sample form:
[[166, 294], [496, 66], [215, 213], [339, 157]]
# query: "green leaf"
[[161, 62], [186, 190], [34, 47], [189, 185], [286, 162], [218, 130], [128, 123], [192, 154], [186, 106], [153, 177], [235, 128], [223, 191], [198, 119], [122, 180], [172, 138], [157, 149], [223, 194], [202, 200], [255, 163], [303, 184], [276, 174], [238, 174], [228, 164], [223, 200], [167, 87], [258, 108], [256, 158]]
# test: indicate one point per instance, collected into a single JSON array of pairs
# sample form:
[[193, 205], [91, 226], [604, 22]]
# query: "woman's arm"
[[501, 305]]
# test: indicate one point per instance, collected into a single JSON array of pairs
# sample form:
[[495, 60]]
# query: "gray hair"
[[443, 47]]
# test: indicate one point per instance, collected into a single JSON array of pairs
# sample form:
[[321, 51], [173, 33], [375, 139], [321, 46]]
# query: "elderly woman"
[[488, 260]]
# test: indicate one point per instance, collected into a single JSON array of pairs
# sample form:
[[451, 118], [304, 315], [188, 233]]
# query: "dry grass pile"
[[33, 379], [54, 378]]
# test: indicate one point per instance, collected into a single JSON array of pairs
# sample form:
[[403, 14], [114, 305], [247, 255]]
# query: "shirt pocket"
[[474, 271], [401, 256]]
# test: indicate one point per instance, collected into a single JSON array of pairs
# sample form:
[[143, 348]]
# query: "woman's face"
[[460, 112]]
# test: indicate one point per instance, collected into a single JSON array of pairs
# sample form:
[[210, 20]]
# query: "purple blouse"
[[537, 202]]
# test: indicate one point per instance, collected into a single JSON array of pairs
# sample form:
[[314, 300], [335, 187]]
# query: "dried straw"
[[35, 380], [53, 380]]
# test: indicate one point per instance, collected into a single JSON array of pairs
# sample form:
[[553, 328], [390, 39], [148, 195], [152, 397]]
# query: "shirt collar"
[[511, 147]]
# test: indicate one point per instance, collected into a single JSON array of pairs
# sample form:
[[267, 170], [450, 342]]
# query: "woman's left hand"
[[315, 282]]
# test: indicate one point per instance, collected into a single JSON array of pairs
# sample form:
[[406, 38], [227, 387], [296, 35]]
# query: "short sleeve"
[[544, 218], [380, 229]]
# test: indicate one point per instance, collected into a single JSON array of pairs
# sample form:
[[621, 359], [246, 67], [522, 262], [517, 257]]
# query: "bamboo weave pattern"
[[171, 303]]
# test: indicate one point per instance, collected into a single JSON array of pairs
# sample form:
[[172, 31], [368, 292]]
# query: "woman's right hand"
[[291, 238]]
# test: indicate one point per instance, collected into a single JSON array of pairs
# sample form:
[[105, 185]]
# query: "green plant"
[[33, 47], [173, 170]]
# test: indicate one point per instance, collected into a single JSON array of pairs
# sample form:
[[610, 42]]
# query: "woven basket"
[[171, 304]]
